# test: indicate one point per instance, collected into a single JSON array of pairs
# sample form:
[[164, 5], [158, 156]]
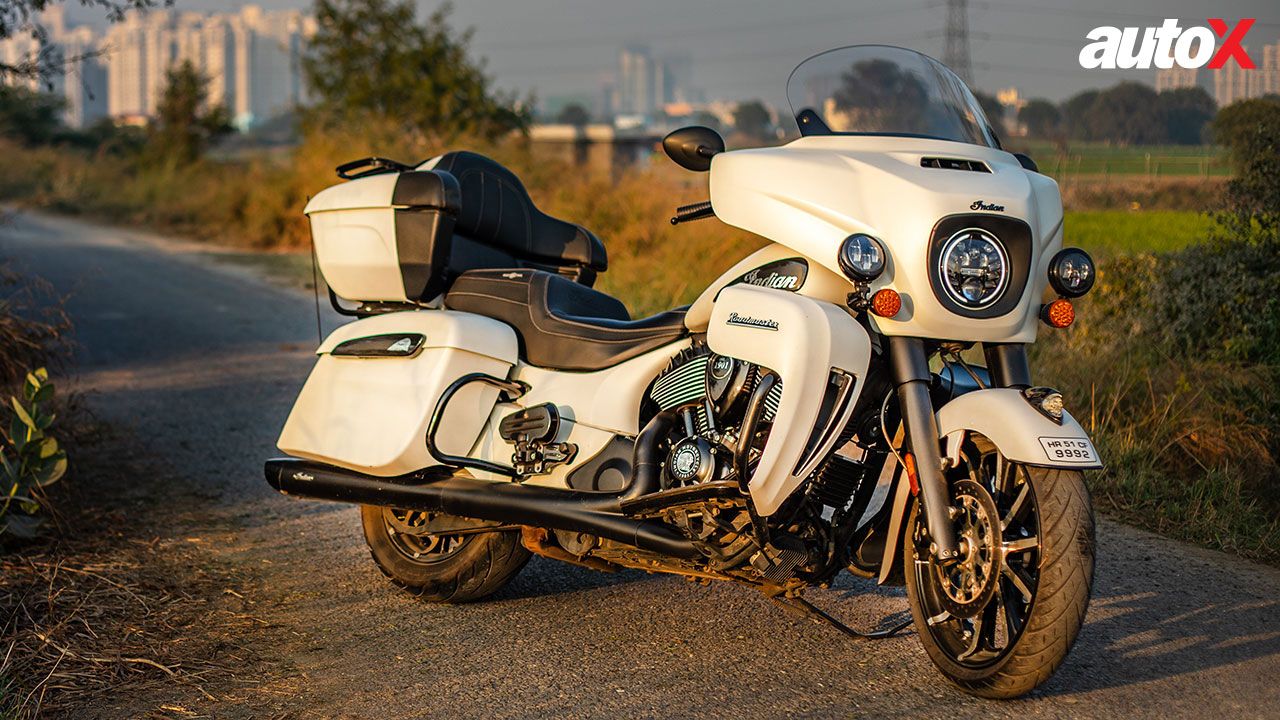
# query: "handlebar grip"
[[696, 211]]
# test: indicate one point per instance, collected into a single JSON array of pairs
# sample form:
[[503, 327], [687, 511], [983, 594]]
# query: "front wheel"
[[438, 566], [1000, 621]]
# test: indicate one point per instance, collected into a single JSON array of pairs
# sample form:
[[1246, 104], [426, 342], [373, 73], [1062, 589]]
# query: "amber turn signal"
[[1058, 314], [886, 303]]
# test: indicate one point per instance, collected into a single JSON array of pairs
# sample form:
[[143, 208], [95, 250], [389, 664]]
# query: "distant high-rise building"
[[1230, 83], [636, 87], [252, 59], [645, 84], [67, 66], [1175, 78]]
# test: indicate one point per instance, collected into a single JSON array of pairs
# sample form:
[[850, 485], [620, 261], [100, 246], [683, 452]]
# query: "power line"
[[1083, 14], [706, 31]]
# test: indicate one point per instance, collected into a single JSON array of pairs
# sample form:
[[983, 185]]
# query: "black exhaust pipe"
[[482, 500]]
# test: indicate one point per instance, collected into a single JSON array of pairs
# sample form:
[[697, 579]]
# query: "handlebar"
[[696, 211]]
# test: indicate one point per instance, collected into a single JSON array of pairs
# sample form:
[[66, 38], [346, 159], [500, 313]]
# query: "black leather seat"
[[499, 226], [562, 324]]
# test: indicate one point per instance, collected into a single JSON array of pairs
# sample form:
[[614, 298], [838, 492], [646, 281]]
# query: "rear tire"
[[1044, 630], [458, 569]]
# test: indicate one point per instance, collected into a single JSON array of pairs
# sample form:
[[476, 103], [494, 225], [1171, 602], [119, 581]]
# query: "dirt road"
[[201, 361]]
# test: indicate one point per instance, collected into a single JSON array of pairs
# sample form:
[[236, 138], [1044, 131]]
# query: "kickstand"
[[804, 607]]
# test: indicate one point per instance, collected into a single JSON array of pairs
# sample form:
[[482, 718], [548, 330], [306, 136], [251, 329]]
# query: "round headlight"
[[862, 257], [1071, 272], [974, 268]]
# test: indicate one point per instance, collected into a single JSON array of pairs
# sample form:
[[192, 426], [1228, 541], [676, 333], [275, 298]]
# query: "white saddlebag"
[[369, 398]]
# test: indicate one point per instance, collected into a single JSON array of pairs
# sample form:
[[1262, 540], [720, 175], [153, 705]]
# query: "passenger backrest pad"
[[497, 211]]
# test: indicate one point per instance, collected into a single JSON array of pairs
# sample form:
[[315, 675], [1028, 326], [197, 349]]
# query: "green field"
[[1123, 232], [1092, 159]]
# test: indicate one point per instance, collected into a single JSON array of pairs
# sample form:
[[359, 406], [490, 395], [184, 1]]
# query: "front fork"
[[910, 367]]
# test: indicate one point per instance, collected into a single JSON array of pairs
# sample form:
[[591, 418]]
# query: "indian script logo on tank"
[[1167, 45]]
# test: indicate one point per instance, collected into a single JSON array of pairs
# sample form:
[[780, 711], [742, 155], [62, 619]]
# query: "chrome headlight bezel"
[[862, 257], [1061, 265], [952, 245]]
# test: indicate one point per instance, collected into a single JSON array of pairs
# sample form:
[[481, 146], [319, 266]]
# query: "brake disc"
[[967, 584]]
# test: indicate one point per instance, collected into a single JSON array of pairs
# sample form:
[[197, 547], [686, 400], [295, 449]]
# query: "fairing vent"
[[942, 163]]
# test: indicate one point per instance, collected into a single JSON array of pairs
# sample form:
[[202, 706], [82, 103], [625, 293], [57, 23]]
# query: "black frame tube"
[[910, 367], [512, 388], [1008, 364]]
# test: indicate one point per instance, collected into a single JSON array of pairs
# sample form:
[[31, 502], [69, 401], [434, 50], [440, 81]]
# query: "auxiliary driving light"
[[1058, 313], [886, 303], [862, 257], [1046, 401], [1071, 272]]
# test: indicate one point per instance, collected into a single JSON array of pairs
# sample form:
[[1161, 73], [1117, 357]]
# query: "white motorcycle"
[[811, 412]]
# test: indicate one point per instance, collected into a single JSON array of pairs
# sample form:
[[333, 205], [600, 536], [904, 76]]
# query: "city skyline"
[[252, 59], [744, 50]]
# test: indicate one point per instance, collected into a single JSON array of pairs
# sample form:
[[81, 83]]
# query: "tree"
[[184, 126], [1128, 114], [1041, 118], [1074, 112], [751, 118], [706, 119], [1186, 111], [1250, 130], [29, 117], [994, 111], [371, 58], [574, 114]]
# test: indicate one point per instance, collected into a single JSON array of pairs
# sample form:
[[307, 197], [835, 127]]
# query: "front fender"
[[1021, 433]]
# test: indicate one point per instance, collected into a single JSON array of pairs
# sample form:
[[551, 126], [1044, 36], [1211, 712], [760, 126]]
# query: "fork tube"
[[911, 376], [1008, 364]]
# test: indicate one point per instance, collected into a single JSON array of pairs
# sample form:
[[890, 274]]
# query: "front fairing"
[[814, 192]]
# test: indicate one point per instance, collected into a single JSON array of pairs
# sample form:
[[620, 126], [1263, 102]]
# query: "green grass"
[[1148, 160], [1123, 232]]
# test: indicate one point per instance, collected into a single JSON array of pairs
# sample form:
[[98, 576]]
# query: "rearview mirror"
[[693, 147]]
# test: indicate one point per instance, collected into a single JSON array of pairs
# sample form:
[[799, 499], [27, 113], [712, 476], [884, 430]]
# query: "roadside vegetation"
[[1172, 364]]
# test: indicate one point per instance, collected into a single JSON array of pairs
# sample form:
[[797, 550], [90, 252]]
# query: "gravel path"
[[201, 361]]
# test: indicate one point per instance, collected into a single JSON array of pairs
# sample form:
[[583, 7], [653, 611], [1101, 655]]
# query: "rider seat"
[[562, 324]]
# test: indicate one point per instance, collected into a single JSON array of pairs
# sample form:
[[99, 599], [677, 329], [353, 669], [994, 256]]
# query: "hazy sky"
[[746, 48]]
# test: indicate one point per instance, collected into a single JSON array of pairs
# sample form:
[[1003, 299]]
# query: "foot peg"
[[533, 431]]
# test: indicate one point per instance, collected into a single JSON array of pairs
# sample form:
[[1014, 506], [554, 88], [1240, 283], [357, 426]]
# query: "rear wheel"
[[438, 566], [1000, 621]]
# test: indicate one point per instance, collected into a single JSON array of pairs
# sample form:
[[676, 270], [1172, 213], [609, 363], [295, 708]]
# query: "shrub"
[[30, 458], [1173, 367]]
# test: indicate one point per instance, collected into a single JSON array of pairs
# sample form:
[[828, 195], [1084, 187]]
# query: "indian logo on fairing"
[[779, 275]]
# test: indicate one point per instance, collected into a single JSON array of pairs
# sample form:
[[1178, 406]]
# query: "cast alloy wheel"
[[999, 620], [410, 534]]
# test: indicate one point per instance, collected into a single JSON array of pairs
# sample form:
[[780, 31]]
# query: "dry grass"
[[110, 605], [33, 325]]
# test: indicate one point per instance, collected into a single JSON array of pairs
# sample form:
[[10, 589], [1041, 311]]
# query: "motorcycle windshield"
[[885, 90]]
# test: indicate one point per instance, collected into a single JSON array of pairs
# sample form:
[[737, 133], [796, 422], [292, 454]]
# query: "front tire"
[[440, 568], [999, 624]]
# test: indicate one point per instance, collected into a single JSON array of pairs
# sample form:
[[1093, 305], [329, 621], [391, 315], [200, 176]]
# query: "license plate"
[[1075, 451]]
